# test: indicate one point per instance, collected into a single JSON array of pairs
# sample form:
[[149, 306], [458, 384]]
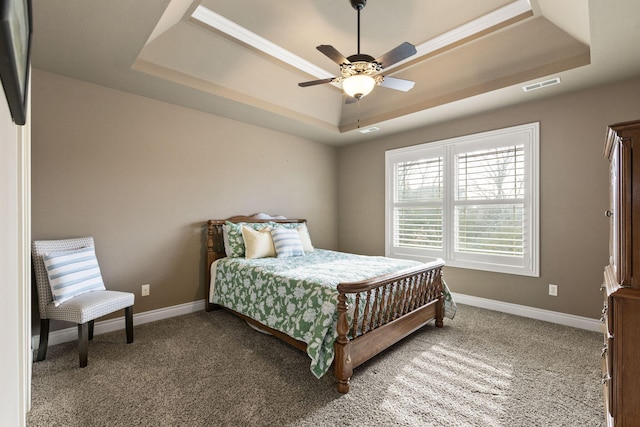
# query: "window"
[[472, 201]]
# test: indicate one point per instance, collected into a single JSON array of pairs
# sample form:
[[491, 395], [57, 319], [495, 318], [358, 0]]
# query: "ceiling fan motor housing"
[[361, 57], [358, 4], [360, 66]]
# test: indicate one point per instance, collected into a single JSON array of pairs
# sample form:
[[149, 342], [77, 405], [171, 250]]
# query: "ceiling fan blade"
[[333, 54], [397, 84], [397, 54], [316, 82]]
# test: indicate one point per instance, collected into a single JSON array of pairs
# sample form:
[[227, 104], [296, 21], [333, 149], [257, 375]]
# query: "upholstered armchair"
[[78, 294]]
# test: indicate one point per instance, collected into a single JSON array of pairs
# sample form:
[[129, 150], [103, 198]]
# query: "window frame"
[[527, 135]]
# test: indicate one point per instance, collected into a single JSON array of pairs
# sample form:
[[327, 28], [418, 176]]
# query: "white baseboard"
[[102, 327], [530, 312], [71, 334]]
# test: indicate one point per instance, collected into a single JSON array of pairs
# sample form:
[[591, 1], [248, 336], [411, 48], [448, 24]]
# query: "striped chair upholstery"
[[82, 309]]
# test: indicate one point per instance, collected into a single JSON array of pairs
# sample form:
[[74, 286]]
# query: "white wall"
[[15, 284]]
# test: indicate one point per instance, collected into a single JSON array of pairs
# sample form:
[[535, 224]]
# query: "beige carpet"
[[482, 369]]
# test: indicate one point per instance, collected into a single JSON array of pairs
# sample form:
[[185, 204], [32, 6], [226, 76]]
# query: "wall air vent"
[[540, 85]]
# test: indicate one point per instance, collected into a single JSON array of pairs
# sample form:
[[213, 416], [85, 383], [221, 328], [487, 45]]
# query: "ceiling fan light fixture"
[[360, 73], [358, 85]]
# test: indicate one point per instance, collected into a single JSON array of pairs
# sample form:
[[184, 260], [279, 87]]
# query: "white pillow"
[[287, 242], [305, 238], [72, 273], [258, 243]]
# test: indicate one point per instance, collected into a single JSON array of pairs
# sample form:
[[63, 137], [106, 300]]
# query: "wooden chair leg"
[[83, 343], [44, 340], [91, 329], [128, 318]]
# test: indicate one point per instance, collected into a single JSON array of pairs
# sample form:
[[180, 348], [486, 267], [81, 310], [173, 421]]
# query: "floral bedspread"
[[297, 295]]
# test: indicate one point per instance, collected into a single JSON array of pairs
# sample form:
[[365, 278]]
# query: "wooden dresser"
[[621, 288]]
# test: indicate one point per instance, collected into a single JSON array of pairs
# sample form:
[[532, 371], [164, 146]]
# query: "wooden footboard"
[[372, 314], [385, 310]]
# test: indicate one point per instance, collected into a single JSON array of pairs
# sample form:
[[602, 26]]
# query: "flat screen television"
[[15, 46]]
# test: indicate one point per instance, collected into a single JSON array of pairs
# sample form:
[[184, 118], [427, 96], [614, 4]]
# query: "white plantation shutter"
[[471, 200], [490, 229], [418, 205], [489, 202]]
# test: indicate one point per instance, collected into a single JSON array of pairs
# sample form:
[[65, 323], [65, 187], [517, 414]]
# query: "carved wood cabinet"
[[621, 288]]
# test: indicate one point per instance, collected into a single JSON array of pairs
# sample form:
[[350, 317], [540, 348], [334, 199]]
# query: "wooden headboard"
[[215, 241]]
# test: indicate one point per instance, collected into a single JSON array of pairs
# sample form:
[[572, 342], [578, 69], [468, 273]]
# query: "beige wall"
[[143, 176], [573, 196]]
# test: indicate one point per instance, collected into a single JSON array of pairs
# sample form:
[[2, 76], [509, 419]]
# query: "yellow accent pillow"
[[258, 243]]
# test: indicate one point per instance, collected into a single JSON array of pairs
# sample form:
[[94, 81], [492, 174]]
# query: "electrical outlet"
[[145, 290], [553, 290]]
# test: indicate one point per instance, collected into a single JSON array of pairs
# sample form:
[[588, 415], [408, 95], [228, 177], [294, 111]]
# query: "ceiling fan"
[[361, 72]]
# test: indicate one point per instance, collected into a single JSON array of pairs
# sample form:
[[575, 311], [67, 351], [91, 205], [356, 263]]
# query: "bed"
[[341, 309]]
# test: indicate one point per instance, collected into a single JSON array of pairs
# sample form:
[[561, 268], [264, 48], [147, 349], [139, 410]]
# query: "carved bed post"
[[210, 258], [210, 236], [342, 362], [440, 303]]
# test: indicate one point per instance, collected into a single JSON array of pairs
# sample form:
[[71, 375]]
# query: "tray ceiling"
[[243, 59]]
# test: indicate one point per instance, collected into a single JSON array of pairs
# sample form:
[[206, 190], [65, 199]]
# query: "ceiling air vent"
[[540, 85], [369, 130]]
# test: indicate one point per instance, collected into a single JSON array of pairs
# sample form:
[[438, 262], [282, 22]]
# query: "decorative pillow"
[[227, 242], [303, 231], [305, 238], [265, 216], [286, 242], [232, 235], [73, 273], [258, 243]]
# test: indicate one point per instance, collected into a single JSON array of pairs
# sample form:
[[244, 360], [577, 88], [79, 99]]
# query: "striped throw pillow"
[[72, 273], [286, 242]]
